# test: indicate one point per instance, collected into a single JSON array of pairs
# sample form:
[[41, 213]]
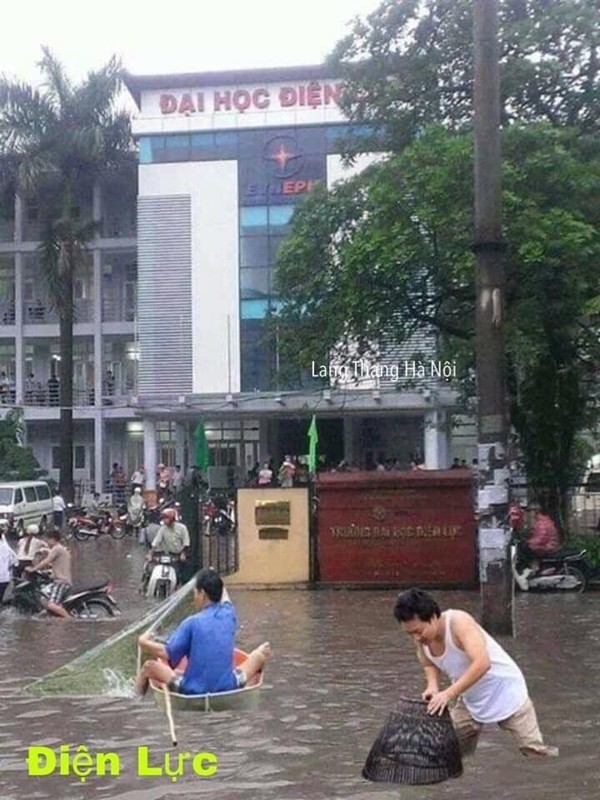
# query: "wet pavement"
[[340, 662]]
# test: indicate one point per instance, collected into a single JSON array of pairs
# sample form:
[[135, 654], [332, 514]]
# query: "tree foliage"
[[389, 251], [56, 143], [409, 64], [17, 462]]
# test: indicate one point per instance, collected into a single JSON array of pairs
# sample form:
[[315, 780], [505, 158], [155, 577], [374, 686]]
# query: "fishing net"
[[110, 667], [414, 747]]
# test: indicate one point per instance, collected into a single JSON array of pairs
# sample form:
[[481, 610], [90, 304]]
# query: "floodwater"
[[340, 662]]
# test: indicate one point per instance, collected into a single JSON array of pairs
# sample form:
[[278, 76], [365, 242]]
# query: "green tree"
[[57, 141], [17, 462], [409, 64], [388, 252]]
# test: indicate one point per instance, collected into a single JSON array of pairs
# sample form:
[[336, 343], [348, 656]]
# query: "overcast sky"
[[169, 36]]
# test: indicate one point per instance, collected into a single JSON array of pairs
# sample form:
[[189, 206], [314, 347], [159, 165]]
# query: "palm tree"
[[56, 142]]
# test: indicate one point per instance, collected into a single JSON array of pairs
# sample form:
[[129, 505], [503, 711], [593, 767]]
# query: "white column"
[[19, 340], [100, 471], [98, 363], [436, 440], [150, 452]]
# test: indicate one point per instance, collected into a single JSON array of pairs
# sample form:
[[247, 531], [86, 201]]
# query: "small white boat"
[[244, 698]]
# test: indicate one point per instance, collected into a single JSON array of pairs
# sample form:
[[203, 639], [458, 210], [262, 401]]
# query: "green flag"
[[313, 439], [201, 447]]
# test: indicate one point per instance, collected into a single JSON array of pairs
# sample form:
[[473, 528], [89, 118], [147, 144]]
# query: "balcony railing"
[[48, 397], [118, 227], [42, 311], [117, 311]]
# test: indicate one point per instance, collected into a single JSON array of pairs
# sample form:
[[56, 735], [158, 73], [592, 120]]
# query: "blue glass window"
[[280, 215], [203, 139], [255, 309], [253, 217], [145, 150], [254, 251], [255, 283], [179, 141]]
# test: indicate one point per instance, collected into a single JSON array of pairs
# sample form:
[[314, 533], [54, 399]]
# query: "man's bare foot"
[[265, 650]]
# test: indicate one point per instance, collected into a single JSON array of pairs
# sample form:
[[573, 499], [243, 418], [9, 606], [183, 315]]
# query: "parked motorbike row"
[[84, 525]]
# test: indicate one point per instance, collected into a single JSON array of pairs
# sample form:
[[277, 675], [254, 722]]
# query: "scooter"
[[85, 602], [159, 578], [133, 522], [86, 526], [218, 518], [565, 571]]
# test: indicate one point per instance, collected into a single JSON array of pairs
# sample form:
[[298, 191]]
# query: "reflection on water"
[[340, 661]]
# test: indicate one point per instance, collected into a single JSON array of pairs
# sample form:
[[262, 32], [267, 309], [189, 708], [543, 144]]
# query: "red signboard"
[[406, 528]]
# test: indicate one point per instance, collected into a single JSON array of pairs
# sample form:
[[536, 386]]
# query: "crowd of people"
[[169, 481]]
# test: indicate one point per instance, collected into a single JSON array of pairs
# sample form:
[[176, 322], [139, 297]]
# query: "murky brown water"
[[340, 662]]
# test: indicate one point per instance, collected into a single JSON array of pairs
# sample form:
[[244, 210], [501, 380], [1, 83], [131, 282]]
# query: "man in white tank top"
[[486, 684]]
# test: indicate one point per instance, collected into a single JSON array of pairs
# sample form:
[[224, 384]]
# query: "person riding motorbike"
[[30, 549], [135, 507], [59, 560], [8, 560], [543, 540], [172, 538]]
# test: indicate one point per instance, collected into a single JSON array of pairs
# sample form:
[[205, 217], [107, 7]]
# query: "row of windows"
[[78, 457], [253, 218], [230, 145]]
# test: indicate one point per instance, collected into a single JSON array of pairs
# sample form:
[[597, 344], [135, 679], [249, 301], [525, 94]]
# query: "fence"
[[583, 516]]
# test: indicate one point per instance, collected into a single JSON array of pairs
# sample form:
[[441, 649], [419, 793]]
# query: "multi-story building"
[[171, 323], [224, 158], [105, 343]]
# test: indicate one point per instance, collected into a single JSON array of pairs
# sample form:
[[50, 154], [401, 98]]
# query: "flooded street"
[[340, 662]]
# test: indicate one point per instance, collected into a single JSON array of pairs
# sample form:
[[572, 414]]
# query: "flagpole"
[[313, 439]]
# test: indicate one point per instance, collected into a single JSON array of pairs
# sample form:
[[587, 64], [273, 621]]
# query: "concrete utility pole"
[[497, 587]]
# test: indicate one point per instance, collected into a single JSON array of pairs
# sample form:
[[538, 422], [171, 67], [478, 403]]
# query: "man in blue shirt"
[[207, 640]]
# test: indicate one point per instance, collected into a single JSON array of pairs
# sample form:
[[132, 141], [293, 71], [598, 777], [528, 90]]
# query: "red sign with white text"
[[404, 528]]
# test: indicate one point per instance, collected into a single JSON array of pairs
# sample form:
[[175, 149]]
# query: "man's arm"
[[156, 649], [44, 563], [156, 543], [432, 674], [467, 636]]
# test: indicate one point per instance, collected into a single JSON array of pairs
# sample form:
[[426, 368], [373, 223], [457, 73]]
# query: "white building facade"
[[224, 158], [172, 303], [105, 341]]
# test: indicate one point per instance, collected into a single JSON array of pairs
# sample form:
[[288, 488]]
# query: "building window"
[[254, 251], [79, 457]]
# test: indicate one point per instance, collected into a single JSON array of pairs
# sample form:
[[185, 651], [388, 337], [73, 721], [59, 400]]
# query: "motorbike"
[[152, 519], [159, 578], [93, 601], [133, 522], [218, 518], [566, 570], [85, 526]]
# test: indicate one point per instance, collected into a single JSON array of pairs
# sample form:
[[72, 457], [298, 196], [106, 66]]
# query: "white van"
[[24, 502]]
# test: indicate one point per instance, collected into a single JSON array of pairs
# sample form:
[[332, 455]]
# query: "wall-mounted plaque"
[[272, 533], [272, 513]]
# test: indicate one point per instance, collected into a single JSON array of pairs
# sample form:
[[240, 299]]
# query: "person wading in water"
[[487, 685]]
